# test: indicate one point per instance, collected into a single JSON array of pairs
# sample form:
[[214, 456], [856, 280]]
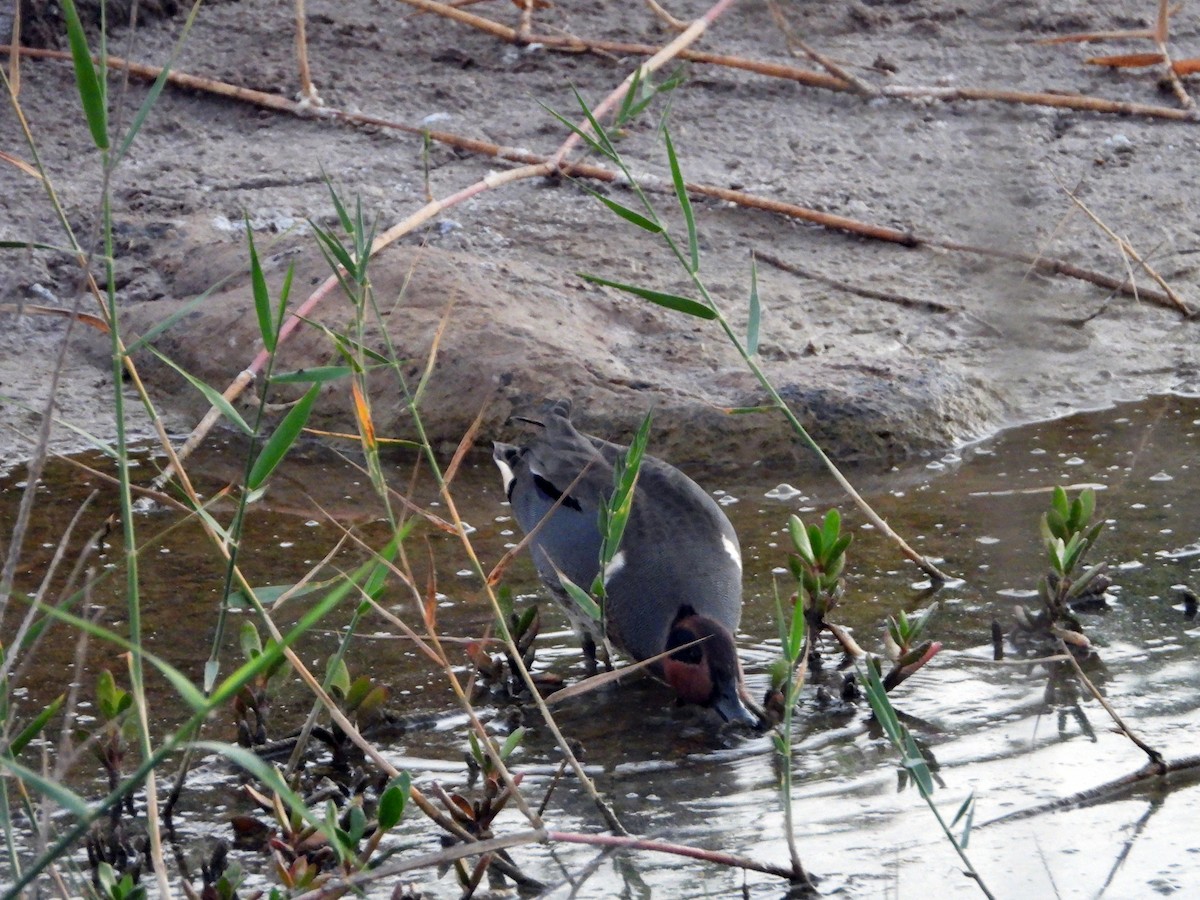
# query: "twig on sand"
[[1127, 250]]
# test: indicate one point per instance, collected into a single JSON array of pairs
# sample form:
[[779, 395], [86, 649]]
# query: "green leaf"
[[249, 640], [670, 301], [627, 214], [282, 439], [1087, 502], [335, 249], [339, 207], [315, 375], [796, 637], [625, 110], [371, 702], [91, 86], [839, 546], [755, 315], [269, 594], [212, 395], [34, 728], [48, 787], [597, 129], [800, 541], [685, 203], [357, 825], [881, 705], [585, 136], [271, 777], [614, 515], [580, 597], [1079, 586], [512, 742], [337, 676], [1058, 502], [262, 299], [139, 118], [32, 245], [393, 801], [916, 765], [816, 537], [833, 527]]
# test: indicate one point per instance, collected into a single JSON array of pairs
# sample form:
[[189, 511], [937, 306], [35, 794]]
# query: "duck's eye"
[[692, 654]]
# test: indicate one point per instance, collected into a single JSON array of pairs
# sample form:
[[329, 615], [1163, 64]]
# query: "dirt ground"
[[958, 346]]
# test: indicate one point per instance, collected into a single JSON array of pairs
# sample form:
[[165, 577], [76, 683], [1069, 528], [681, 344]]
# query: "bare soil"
[[950, 347]]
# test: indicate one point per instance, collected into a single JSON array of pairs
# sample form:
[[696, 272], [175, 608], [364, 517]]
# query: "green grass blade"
[[670, 301], [315, 375], [48, 787], [339, 207], [174, 317], [626, 111], [188, 691], [143, 111], [91, 86], [581, 598], [685, 203], [334, 248], [211, 394], [270, 776], [583, 135], [33, 245], [627, 214], [34, 728], [755, 316], [282, 440], [262, 299]]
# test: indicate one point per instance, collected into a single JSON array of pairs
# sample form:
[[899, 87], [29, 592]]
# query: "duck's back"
[[678, 549]]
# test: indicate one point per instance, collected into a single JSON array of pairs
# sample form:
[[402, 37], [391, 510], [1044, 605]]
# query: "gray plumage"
[[679, 551]]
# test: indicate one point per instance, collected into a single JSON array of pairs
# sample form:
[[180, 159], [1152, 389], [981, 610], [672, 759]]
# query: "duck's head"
[[705, 669]]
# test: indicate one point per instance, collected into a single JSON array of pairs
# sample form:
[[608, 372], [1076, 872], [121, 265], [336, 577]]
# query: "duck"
[[675, 583]]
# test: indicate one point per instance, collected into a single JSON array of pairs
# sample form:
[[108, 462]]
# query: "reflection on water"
[[987, 727]]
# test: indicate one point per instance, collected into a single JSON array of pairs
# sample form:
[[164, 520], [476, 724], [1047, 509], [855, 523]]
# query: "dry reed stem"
[[553, 164], [1079, 102], [750, 201], [339, 887], [669, 20], [632, 843], [817, 79], [795, 43], [308, 92], [573, 44], [150, 785], [1127, 250], [1156, 760]]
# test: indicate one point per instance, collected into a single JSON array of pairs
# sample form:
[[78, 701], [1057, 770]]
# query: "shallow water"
[[861, 830]]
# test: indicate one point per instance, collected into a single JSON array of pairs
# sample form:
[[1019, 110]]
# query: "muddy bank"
[[957, 347]]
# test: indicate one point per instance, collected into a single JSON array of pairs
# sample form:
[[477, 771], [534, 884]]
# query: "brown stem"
[[713, 856], [1156, 758]]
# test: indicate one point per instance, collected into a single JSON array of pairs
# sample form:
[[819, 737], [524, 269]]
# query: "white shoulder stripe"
[[732, 550]]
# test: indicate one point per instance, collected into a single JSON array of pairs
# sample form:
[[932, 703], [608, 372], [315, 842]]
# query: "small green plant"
[[613, 516], [112, 887], [817, 563], [787, 678], [252, 705], [117, 728], [1068, 533], [913, 763]]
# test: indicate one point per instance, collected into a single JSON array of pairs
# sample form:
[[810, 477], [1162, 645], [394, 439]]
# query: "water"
[[862, 830]]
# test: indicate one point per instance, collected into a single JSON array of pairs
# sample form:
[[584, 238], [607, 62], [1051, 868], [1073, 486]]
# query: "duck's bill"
[[729, 706]]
